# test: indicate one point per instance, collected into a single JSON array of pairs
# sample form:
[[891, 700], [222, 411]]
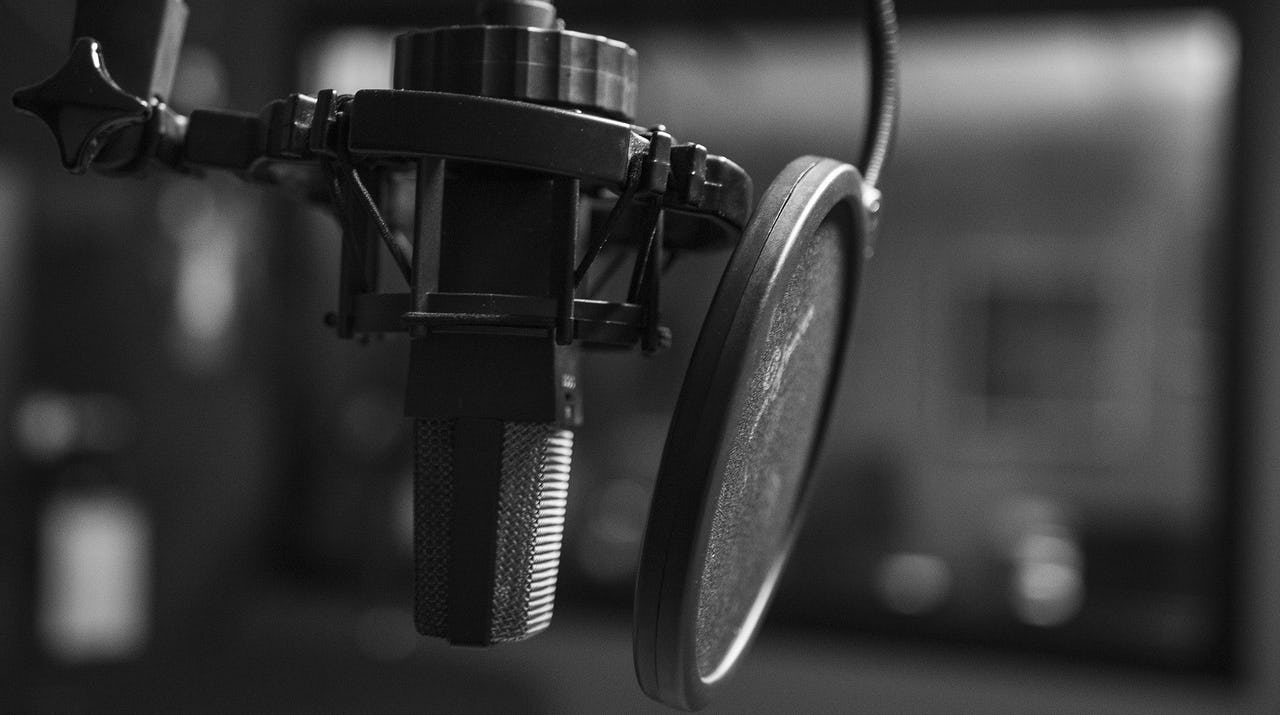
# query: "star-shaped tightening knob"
[[82, 105]]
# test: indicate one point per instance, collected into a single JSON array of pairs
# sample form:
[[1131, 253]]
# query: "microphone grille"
[[508, 593], [432, 523], [531, 511]]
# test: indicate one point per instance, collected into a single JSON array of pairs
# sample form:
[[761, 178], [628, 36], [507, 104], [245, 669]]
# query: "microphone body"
[[494, 405], [494, 398]]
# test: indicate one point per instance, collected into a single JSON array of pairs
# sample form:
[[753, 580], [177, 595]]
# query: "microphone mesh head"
[[531, 510], [512, 587], [432, 523]]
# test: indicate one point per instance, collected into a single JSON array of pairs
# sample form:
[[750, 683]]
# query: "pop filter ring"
[[809, 192]]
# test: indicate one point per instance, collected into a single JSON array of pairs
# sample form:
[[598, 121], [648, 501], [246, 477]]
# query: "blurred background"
[[1050, 484]]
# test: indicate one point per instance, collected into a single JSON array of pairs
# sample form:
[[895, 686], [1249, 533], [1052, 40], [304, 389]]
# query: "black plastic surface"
[[705, 578], [82, 105], [494, 131]]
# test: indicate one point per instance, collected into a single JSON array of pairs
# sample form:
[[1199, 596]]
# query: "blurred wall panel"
[[137, 386], [1041, 341], [15, 531]]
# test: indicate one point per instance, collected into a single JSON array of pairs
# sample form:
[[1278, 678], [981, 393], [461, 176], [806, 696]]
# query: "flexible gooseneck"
[[882, 30]]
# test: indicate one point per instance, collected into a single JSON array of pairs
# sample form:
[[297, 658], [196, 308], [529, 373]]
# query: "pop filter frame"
[[811, 198]]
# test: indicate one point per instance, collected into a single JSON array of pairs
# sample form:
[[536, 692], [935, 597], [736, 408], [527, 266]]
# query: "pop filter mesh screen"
[[771, 444]]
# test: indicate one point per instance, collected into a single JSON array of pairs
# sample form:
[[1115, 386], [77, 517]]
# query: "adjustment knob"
[[82, 105], [558, 67]]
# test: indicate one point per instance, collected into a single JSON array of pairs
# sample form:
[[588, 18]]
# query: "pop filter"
[[731, 488]]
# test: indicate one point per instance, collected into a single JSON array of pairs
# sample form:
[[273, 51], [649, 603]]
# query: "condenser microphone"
[[494, 402]]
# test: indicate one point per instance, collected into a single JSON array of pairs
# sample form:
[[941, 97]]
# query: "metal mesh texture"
[[531, 510], [771, 442], [432, 517], [532, 498]]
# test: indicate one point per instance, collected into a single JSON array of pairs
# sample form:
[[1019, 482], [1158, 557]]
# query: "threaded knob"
[[546, 66]]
